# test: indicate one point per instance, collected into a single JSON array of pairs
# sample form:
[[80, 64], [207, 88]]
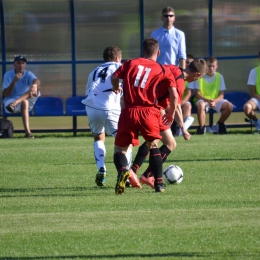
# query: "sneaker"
[[121, 180], [201, 130], [257, 128], [221, 129], [29, 135], [160, 187], [134, 180], [147, 180], [101, 177]]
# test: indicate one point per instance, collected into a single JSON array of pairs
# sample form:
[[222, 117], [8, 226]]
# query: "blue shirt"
[[21, 86], [172, 45]]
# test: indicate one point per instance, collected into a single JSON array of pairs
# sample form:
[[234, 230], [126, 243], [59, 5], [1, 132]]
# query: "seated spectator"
[[254, 103], [185, 104], [209, 93], [20, 91]]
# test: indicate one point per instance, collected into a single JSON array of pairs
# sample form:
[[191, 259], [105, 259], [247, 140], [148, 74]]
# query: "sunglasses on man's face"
[[168, 15]]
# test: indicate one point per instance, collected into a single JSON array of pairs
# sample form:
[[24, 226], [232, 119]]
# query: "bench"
[[238, 99], [53, 106]]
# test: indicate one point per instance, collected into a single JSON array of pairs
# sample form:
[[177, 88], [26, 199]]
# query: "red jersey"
[[162, 89], [140, 78]]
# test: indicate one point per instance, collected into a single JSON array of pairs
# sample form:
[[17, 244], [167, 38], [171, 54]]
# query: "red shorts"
[[146, 120], [163, 127]]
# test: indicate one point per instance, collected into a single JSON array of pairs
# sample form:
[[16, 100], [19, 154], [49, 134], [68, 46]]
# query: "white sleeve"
[[89, 83], [222, 83], [194, 85], [252, 78]]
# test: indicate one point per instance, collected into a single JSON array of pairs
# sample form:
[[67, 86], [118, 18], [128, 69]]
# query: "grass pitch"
[[50, 207]]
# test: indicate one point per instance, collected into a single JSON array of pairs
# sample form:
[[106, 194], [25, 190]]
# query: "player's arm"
[[187, 97], [10, 84], [179, 121], [115, 83], [253, 93], [220, 96], [182, 63], [34, 88], [173, 98]]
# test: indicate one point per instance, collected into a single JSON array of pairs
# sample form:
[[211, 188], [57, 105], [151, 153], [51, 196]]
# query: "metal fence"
[[63, 40]]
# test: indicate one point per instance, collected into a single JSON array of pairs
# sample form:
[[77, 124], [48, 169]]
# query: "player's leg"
[[25, 118], [96, 125], [142, 153], [249, 109], [202, 108], [100, 157], [155, 163], [225, 108], [169, 144], [121, 163]]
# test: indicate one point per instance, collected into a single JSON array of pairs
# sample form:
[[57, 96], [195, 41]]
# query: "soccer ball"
[[173, 174]]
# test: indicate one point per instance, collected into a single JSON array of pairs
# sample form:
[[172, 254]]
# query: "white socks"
[[100, 154], [129, 157], [187, 123]]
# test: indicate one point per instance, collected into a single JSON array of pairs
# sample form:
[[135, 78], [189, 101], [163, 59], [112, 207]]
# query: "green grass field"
[[50, 207]]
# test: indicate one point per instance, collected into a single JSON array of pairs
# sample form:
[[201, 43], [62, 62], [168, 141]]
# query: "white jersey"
[[99, 88]]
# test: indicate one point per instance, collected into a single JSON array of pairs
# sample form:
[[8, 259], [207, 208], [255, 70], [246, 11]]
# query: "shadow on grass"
[[129, 256], [52, 192]]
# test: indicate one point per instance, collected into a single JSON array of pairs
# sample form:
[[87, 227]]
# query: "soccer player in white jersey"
[[103, 107]]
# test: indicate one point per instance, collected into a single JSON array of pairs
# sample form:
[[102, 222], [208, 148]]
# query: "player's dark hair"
[[167, 9], [111, 52], [150, 47], [198, 65]]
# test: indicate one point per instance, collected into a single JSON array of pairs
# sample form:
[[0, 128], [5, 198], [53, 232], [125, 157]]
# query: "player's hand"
[[212, 103], [117, 90], [186, 135], [18, 76], [34, 91], [168, 119]]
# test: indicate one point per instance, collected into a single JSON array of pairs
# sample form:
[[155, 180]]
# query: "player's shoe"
[[128, 184], [201, 130], [101, 177], [221, 129], [257, 127], [133, 179], [121, 180], [147, 180], [160, 187]]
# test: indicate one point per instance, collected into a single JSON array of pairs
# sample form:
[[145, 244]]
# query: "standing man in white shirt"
[[103, 108], [171, 40], [253, 104]]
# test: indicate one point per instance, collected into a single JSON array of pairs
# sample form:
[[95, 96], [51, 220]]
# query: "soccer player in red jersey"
[[193, 72], [141, 112]]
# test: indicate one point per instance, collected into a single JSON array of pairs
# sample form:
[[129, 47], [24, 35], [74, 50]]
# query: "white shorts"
[[17, 109], [257, 102], [218, 106], [102, 120]]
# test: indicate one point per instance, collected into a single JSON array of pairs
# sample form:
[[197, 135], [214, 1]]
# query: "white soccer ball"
[[173, 174]]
